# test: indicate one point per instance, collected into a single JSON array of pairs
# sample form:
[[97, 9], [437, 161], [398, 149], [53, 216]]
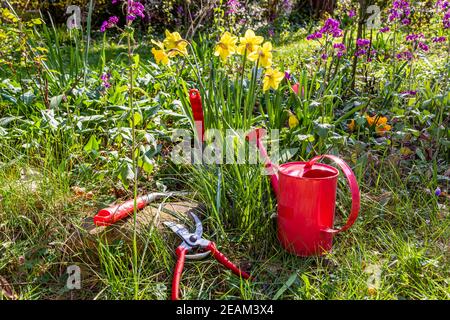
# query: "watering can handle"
[[356, 198]]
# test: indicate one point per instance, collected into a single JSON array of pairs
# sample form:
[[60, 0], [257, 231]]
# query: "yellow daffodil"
[[175, 44], [160, 54], [226, 46], [272, 79], [249, 42], [264, 54]]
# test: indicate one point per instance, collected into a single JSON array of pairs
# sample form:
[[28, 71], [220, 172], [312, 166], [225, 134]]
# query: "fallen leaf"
[[372, 291], [6, 289], [81, 193]]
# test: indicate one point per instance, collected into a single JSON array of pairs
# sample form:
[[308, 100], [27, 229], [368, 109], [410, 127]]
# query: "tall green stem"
[[134, 165]]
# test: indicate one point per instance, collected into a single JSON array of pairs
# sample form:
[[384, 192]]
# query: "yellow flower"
[[226, 46], [293, 121], [264, 54], [160, 54], [381, 125], [249, 42], [175, 44], [351, 126], [272, 79]]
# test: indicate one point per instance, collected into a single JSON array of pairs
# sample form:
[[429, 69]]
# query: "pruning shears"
[[193, 241]]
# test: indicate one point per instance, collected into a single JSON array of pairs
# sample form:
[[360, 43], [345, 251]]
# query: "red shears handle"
[[224, 260], [181, 254]]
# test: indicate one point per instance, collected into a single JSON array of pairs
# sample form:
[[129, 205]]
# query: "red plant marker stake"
[[197, 111]]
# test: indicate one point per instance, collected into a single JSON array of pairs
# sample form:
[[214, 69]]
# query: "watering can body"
[[306, 194], [306, 207]]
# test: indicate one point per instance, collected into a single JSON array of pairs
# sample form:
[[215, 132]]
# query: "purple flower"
[[414, 36], [423, 46], [324, 56], [135, 9], [331, 27], [287, 75], [385, 29], [340, 49], [438, 192], [400, 11], [406, 21], [105, 80], [409, 93], [271, 32], [439, 39], [405, 55], [180, 10], [287, 5], [363, 42], [108, 24], [360, 52], [313, 36], [115, 1], [233, 6], [446, 20], [443, 4], [351, 13]]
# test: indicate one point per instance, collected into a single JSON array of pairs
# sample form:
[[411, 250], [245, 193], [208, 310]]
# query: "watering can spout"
[[256, 135]]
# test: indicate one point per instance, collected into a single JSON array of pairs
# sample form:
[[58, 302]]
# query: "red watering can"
[[306, 193]]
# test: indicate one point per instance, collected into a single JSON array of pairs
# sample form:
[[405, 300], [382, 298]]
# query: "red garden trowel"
[[110, 215]]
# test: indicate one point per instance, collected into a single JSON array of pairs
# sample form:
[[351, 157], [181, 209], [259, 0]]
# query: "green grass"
[[404, 234]]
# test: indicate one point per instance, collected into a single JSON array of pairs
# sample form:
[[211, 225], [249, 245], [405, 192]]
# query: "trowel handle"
[[110, 215], [354, 188]]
